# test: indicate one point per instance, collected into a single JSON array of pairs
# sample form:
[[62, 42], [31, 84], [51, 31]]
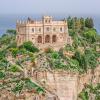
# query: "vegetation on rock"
[[82, 55], [90, 92]]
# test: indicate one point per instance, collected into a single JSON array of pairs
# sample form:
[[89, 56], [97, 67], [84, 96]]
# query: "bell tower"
[[47, 19]]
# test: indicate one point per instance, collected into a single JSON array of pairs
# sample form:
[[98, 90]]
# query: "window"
[[48, 29], [39, 29], [18, 30], [33, 30], [47, 39], [39, 39], [54, 38], [45, 21], [61, 29]]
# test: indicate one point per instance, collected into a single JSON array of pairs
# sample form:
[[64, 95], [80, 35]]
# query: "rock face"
[[89, 77], [61, 84], [66, 85]]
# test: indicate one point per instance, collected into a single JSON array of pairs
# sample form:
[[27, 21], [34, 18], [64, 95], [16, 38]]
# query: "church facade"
[[45, 33]]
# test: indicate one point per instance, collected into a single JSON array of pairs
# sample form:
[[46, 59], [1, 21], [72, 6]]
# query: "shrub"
[[90, 35], [30, 47], [12, 45], [14, 51], [2, 75], [55, 55], [69, 48], [14, 68]]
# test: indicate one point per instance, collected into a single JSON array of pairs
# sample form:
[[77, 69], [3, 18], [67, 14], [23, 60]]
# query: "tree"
[[70, 22], [81, 58], [89, 23], [11, 31], [76, 41], [82, 22], [77, 24], [90, 35]]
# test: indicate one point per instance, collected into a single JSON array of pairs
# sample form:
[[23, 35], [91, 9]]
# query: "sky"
[[50, 7]]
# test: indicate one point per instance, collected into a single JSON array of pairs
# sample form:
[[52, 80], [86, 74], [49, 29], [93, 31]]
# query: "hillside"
[[17, 64]]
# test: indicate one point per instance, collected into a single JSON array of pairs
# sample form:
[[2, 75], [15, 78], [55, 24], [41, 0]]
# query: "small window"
[[39, 39], [61, 29], [47, 39], [48, 29], [45, 21], [39, 29], [18, 29], [33, 30]]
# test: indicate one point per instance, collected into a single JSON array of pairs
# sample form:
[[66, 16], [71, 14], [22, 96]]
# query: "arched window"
[[39, 39], [54, 38], [47, 39]]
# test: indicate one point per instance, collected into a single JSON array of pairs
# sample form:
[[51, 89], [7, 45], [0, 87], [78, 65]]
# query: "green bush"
[[90, 91], [14, 68], [55, 55], [14, 51], [2, 75], [12, 45], [30, 47], [11, 31], [18, 88], [69, 48]]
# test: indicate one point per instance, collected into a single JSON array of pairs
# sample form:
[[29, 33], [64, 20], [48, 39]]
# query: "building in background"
[[46, 33]]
